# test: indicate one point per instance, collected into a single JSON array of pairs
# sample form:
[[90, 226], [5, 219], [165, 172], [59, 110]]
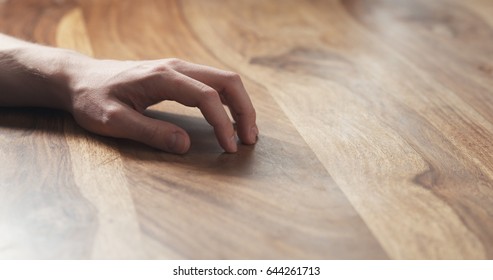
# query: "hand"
[[109, 97]]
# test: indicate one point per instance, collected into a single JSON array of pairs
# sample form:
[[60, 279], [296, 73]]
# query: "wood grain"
[[376, 125]]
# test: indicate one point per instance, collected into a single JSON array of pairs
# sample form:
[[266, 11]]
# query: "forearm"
[[34, 76]]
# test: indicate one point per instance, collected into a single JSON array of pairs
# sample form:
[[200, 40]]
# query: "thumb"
[[155, 133]]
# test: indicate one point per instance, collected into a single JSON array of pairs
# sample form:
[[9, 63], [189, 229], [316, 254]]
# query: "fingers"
[[128, 123], [189, 84], [232, 93], [190, 92], [208, 101]]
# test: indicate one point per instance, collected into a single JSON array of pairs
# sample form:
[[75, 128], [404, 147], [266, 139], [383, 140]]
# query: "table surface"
[[376, 121]]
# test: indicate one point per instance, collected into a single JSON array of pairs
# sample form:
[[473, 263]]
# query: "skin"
[[108, 97]]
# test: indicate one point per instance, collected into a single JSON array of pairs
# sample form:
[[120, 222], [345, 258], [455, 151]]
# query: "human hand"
[[109, 97]]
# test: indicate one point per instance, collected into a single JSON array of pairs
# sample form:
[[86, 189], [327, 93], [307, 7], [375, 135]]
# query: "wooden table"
[[376, 121]]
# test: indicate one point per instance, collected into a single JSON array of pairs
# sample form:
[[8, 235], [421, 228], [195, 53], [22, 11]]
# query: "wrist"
[[40, 76]]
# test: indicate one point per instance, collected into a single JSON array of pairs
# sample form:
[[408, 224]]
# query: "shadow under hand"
[[20, 122], [205, 154]]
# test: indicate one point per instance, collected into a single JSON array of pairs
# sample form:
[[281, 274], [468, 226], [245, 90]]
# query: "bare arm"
[[108, 96]]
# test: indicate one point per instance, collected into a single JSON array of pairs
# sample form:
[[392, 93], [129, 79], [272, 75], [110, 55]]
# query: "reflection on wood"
[[376, 122]]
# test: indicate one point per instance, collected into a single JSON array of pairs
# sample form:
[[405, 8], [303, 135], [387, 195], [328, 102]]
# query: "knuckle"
[[158, 69], [102, 120], [110, 115], [151, 69], [174, 62], [248, 114], [209, 95], [233, 77], [250, 111]]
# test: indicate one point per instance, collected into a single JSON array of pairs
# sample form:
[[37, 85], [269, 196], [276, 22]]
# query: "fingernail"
[[254, 134], [175, 143]]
